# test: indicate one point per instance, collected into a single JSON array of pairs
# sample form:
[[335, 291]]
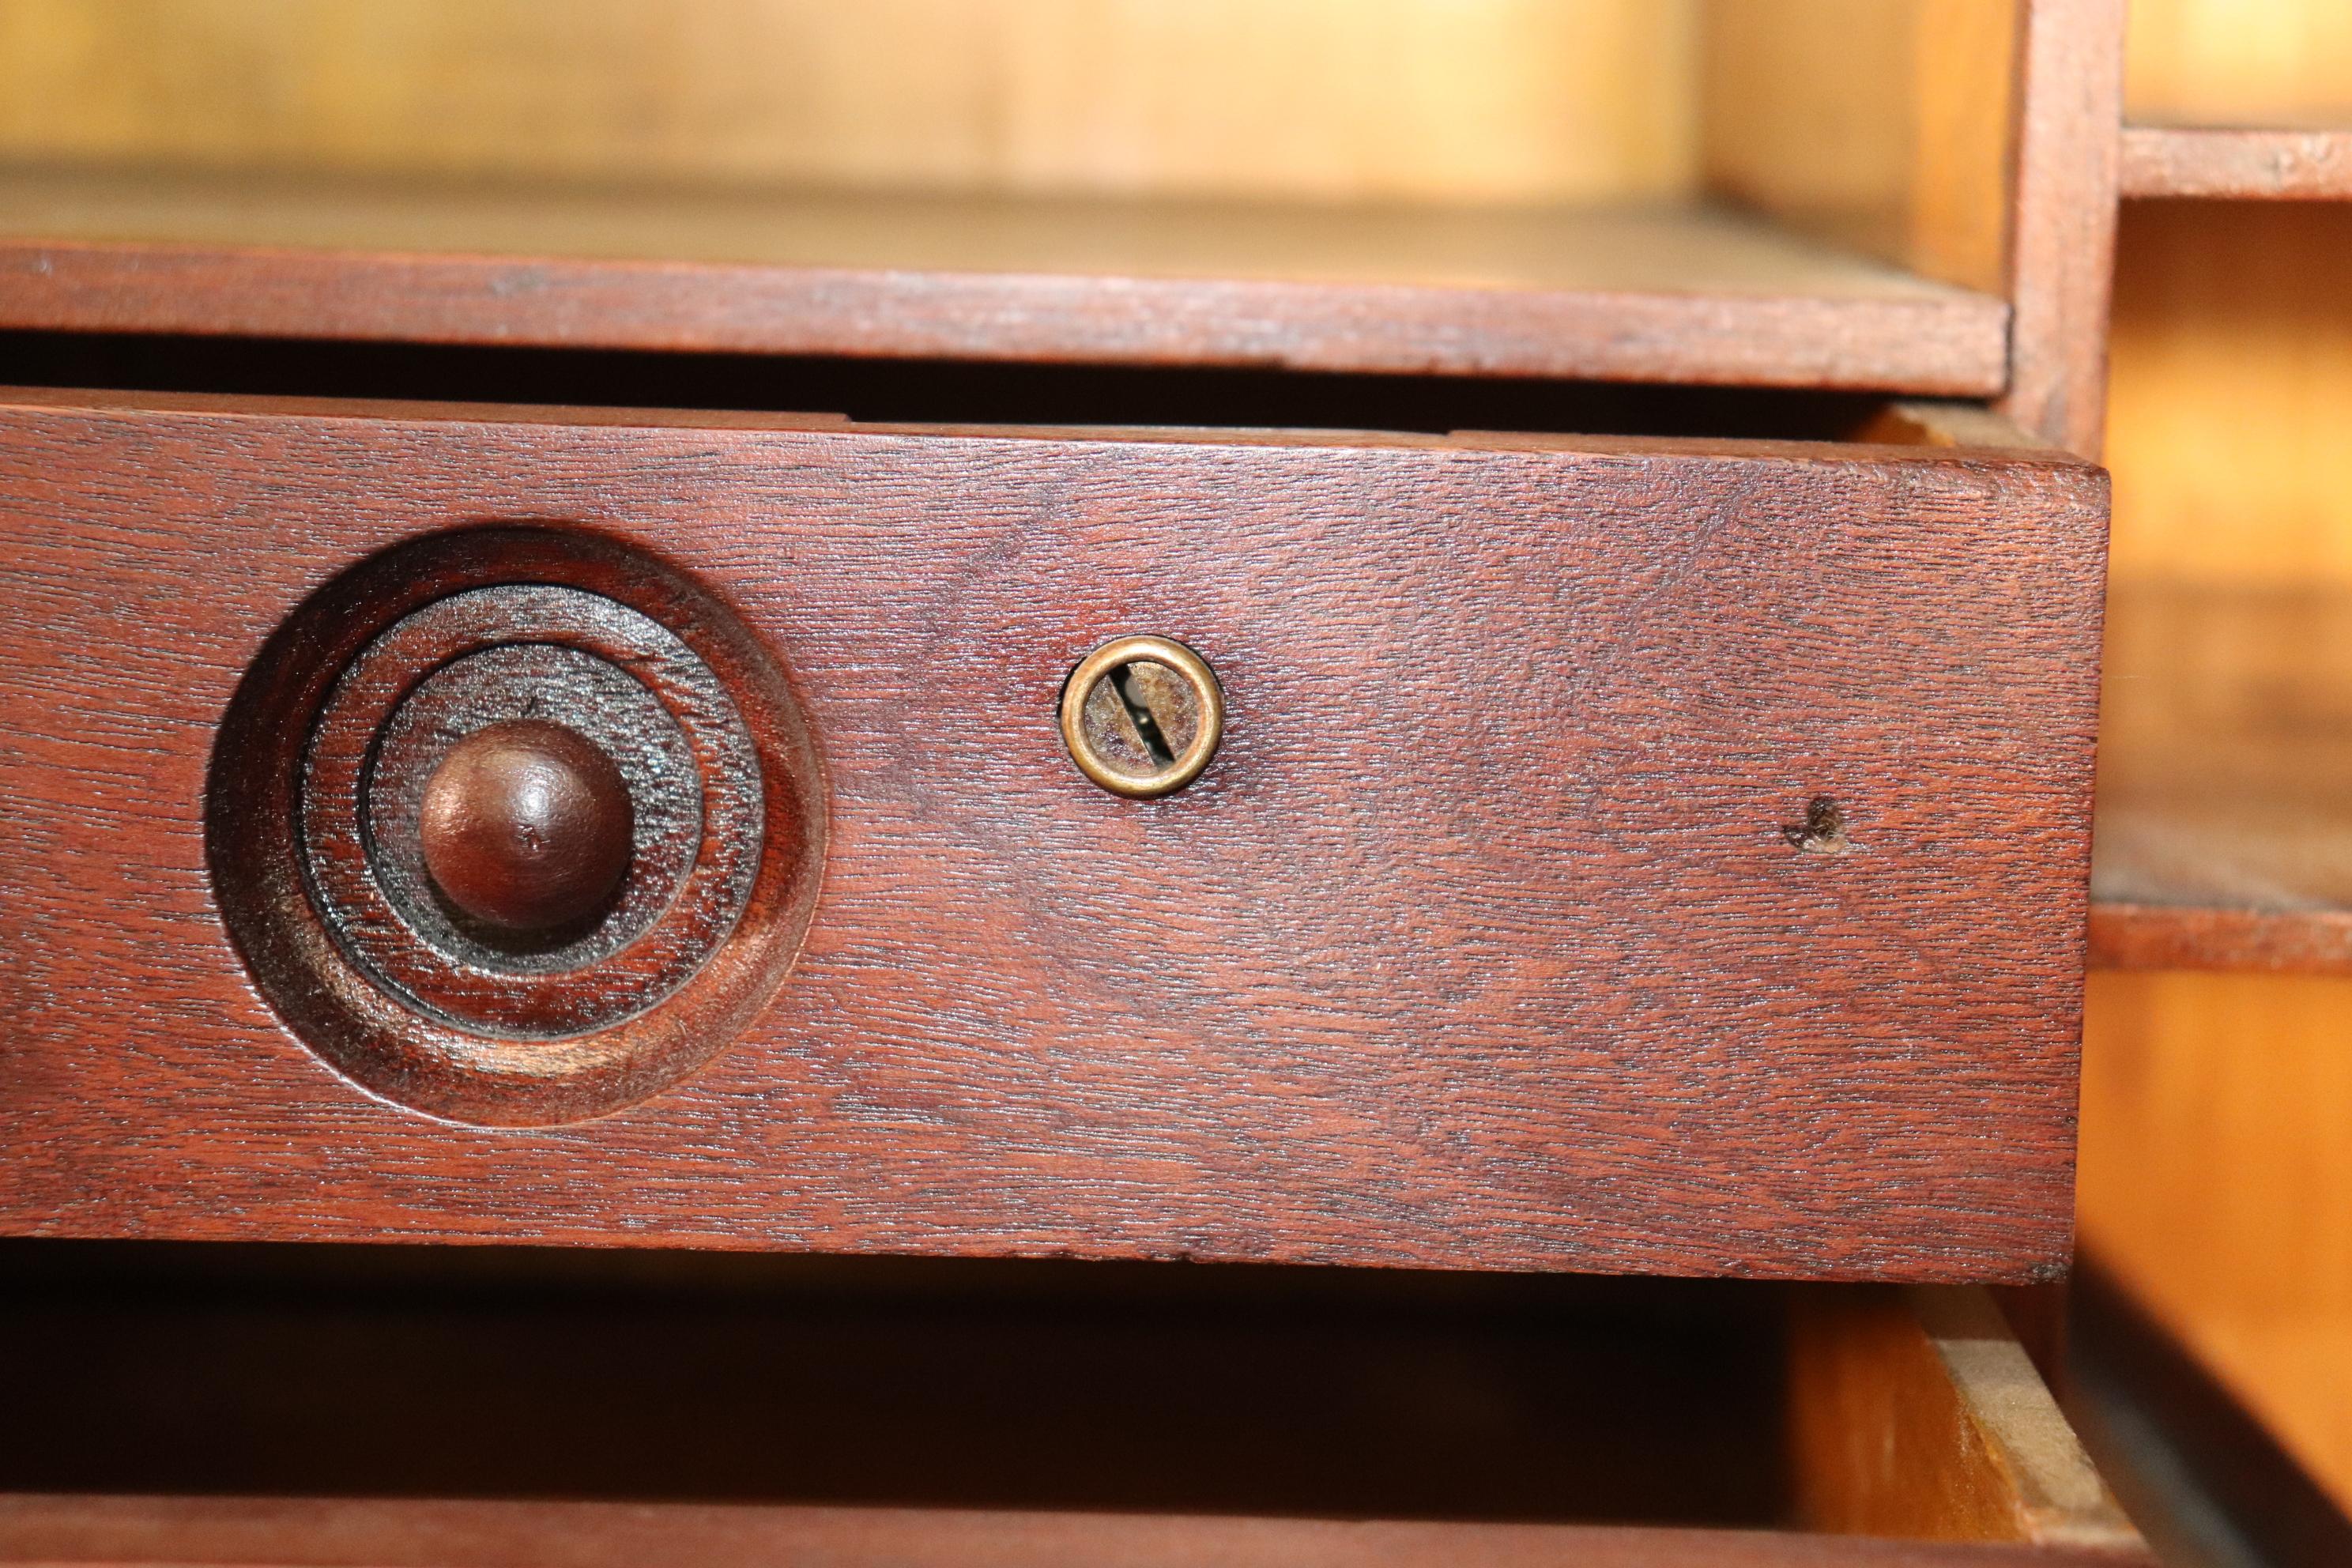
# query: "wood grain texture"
[[313, 809], [2225, 781], [1481, 943], [1669, 293], [1878, 1431], [2062, 238], [2054, 1491], [2238, 166], [116, 1532], [1504, 101], [1884, 1441]]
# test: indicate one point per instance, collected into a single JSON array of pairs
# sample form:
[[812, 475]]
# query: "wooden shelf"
[[2237, 164], [2224, 836], [1671, 293]]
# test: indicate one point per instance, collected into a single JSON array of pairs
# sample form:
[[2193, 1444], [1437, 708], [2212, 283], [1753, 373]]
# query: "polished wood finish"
[[1598, 972], [1675, 294], [525, 826], [313, 824], [2224, 835], [1609, 1028], [2238, 165]]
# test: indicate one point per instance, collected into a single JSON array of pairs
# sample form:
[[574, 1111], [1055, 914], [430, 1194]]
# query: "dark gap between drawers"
[[530, 1372], [921, 392]]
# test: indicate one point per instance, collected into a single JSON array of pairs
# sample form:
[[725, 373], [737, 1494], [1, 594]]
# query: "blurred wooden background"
[[1453, 101], [2216, 1108]]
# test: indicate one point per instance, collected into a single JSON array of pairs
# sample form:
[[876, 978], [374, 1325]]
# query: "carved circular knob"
[[527, 827], [516, 826]]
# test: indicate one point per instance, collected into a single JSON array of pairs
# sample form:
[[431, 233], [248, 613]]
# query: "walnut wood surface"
[[1481, 942], [1668, 293], [2244, 166]]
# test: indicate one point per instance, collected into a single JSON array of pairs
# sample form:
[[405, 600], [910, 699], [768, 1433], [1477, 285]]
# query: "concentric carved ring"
[[616, 783]]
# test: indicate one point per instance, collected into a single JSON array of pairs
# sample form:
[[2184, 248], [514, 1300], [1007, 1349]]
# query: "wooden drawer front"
[[1482, 941]]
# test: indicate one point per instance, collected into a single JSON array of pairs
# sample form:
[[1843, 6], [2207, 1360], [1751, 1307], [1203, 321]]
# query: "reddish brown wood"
[[2235, 164], [1480, 942], [2062, 241], [115, 1532], [382, 826], [1681, 294], [525, 826], [1945, 346], [2165, 936], [314, 810]]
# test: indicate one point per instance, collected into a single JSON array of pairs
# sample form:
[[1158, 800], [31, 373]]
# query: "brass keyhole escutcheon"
[[1142, 716]]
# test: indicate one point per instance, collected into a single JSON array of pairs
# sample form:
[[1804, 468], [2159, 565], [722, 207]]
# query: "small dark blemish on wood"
[[1824, 830]]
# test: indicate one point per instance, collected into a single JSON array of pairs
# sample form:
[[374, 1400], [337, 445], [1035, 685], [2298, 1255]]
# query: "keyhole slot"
[[1146, 723], [1141, 716]]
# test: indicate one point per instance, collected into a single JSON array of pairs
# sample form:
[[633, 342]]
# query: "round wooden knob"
[[527, 827]]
